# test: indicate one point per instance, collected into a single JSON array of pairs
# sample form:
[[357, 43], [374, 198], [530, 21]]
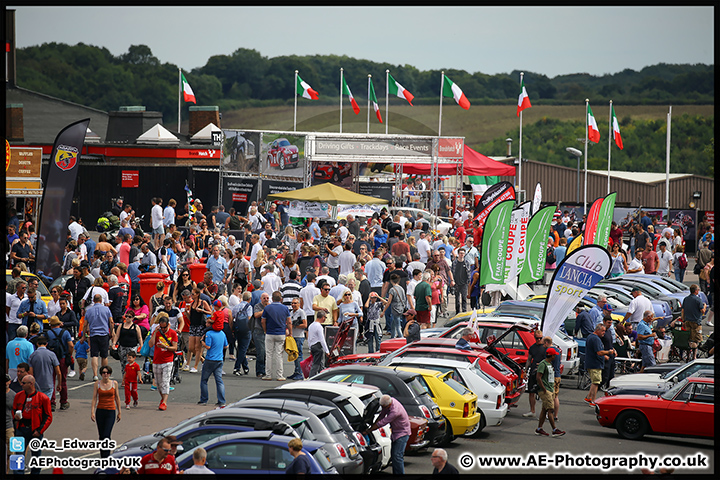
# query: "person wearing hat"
[[215, 342], [638, 305], [63, 340], [165, 341], [546, 391], [412, 327]]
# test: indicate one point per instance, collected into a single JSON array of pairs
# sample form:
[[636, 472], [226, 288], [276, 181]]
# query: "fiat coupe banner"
[[58, 196], [515, 256], [536, 240], [577, 274], [495, 243]]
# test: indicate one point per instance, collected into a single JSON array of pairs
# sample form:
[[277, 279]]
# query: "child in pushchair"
[[149, 377]]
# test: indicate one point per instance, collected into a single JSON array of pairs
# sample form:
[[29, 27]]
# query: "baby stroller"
[[147, 371], [176, 368]]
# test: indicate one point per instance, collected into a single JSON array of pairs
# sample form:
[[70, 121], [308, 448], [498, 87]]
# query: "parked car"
[[282, 154], [457, 404], [253, 453], [443, 224], [661, 382], [403, 386], [666, 286], [364, 405], [345, 412], [444, 348], [650, 389], [490, 392], [343, 451], [648, 290], [621, 294], [687, 409], [333, 171], [60, 281]]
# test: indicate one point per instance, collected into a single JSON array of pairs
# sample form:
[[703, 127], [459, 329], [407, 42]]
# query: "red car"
[[687, 409], [334, 171], [281, 153]]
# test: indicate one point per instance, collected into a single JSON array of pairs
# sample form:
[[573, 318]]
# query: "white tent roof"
[[158, 135], [641, 177], [205, 135]]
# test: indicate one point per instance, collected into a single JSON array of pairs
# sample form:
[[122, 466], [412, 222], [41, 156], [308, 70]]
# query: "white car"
[[490, 393], [663, 381], [442, 226], [360, 396]]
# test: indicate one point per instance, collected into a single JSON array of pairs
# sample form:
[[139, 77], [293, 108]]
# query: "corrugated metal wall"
[[559, 184]]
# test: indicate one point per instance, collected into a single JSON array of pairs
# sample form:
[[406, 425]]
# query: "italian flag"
[[593, 132], [523, 99], [373, 100], [616, 130], [188, 94], [396, 89], [305, 90], [346, 91], [450, 89]]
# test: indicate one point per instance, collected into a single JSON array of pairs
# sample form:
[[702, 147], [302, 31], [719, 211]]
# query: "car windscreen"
[[417, 387], [663, 283], [670, 394], [618, 295], [456, 386], [283, 143], [303, 431], [478, 371], [330, 423], [508, 309], [322, 458]]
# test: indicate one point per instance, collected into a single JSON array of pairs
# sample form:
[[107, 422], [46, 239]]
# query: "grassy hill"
[[479, 125]]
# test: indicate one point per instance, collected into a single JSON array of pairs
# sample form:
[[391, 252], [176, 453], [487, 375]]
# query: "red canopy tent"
[[474, 163]]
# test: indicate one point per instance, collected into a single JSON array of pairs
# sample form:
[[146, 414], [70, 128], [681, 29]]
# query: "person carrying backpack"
[[680, 259], [241, 314], [60, 342]]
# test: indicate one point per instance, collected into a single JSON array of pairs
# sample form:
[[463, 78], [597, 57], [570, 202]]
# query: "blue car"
[[621, 292], [257, 452], [667, 286]]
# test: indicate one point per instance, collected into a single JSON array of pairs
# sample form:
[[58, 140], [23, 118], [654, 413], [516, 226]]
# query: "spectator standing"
[[618, 264], [165, 341], [638, 305], [131, 378], [159, 461], [275, 321], [374, 307], [665, 260], [157, 217], [307, 294], [299, 327], [126, 339], [546, 388], [300, 464], [215, 341], [32, 309], [693, 310], [98, 320], [17, 351], [199, 309], [60, 342], [12, 305], [318, 346], [169, 213], [33, 415], [394, 414], [536, 354], [259, 335], [556, 364], [680, 261], [218, 266], [595, 357], [241, 314], [374, 270], [105, 406], [326, 303], [608, 340], [199, 459], [45, 368], [461, 276]]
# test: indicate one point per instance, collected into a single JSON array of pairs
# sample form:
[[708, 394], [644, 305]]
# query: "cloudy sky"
[[548, 40]]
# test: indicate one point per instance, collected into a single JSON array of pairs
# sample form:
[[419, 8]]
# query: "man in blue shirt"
[[463, 342], [595, 356], [17, 351], [97, 327], [276, 323], [584, 322], [374, 271], [646, 339], [215, 342], [218, 266], [134, 272], [32, 310], [596, 312]]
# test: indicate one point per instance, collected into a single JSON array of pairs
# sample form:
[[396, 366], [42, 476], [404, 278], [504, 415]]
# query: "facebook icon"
[[17, 462]]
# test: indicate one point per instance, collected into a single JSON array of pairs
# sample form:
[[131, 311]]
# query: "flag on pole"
[[593, 132], [190, 200], [396, 89], [305, 90], [616, 130], [373, 100], [346, 91], [474, 326], [451, 89], [188, 94], [523, 99]]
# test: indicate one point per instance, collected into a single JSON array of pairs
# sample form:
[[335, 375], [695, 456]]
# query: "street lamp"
[[509, 146], [578, 154]]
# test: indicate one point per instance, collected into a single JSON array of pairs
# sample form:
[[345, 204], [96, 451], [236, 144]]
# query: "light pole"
[[577, 153]]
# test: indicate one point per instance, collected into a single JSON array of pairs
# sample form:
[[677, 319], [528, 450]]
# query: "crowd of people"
[[265, 281]]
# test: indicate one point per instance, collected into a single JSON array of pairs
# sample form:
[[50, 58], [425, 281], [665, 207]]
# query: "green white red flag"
[[451, 89], [346, 91], [396, 89], [616, 130], [373, 100], [188, 94], [593, 132], [523, 99], [305, 90]]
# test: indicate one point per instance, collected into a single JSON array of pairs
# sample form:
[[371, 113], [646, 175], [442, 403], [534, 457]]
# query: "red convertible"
[[687, 409]]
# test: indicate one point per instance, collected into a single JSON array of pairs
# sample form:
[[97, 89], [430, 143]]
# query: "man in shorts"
[[165, 341], [595, 358], [536, 354], [547, 342], [693, 310], [98, 321], [645, 340], [545, 378]]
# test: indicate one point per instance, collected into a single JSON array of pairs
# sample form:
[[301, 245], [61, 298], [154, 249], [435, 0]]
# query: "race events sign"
[[576, 274]]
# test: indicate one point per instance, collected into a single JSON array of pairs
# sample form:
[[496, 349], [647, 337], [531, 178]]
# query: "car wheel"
[[631, 425], [335, 176], [269, 161], [282, 162], [448, 437], [478, 426]]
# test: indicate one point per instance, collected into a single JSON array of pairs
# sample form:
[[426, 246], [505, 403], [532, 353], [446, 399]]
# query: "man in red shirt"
[[31, 413], [460, 232], [160, 461], [401, 249], [124, 249], [650, 259], [165, 341], [477, 233]]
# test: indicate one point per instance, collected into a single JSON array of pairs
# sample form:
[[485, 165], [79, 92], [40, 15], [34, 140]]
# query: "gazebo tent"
[[327, 193], [474, 163]]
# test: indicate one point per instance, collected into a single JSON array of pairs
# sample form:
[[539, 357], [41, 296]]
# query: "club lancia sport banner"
[[495, 243], [536, 240], [577, 274], [57, 197], [515, 256]]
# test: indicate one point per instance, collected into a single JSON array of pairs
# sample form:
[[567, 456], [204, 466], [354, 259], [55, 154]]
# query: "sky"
[[547, 40]]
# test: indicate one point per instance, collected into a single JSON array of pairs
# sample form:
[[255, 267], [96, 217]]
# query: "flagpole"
[[387, 93], [587, 105], [610, 135], [368, 109], [179, 95], [442, 82], [667, 163], [341, 95], [295, 109], [522, 74]]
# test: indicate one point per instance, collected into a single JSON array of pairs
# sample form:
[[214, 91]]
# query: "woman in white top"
[[53, 306], [97, 288]]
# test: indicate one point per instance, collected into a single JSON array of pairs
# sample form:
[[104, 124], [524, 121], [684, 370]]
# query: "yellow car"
[[465, 316], [457, 403], [41, 288]]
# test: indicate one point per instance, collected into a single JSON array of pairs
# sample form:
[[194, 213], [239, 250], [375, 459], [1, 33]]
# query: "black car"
[[345, 413], [344, 453], [402, 386]]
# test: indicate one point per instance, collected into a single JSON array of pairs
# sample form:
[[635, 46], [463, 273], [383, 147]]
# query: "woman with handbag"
[[127, 337], [140, 313]]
